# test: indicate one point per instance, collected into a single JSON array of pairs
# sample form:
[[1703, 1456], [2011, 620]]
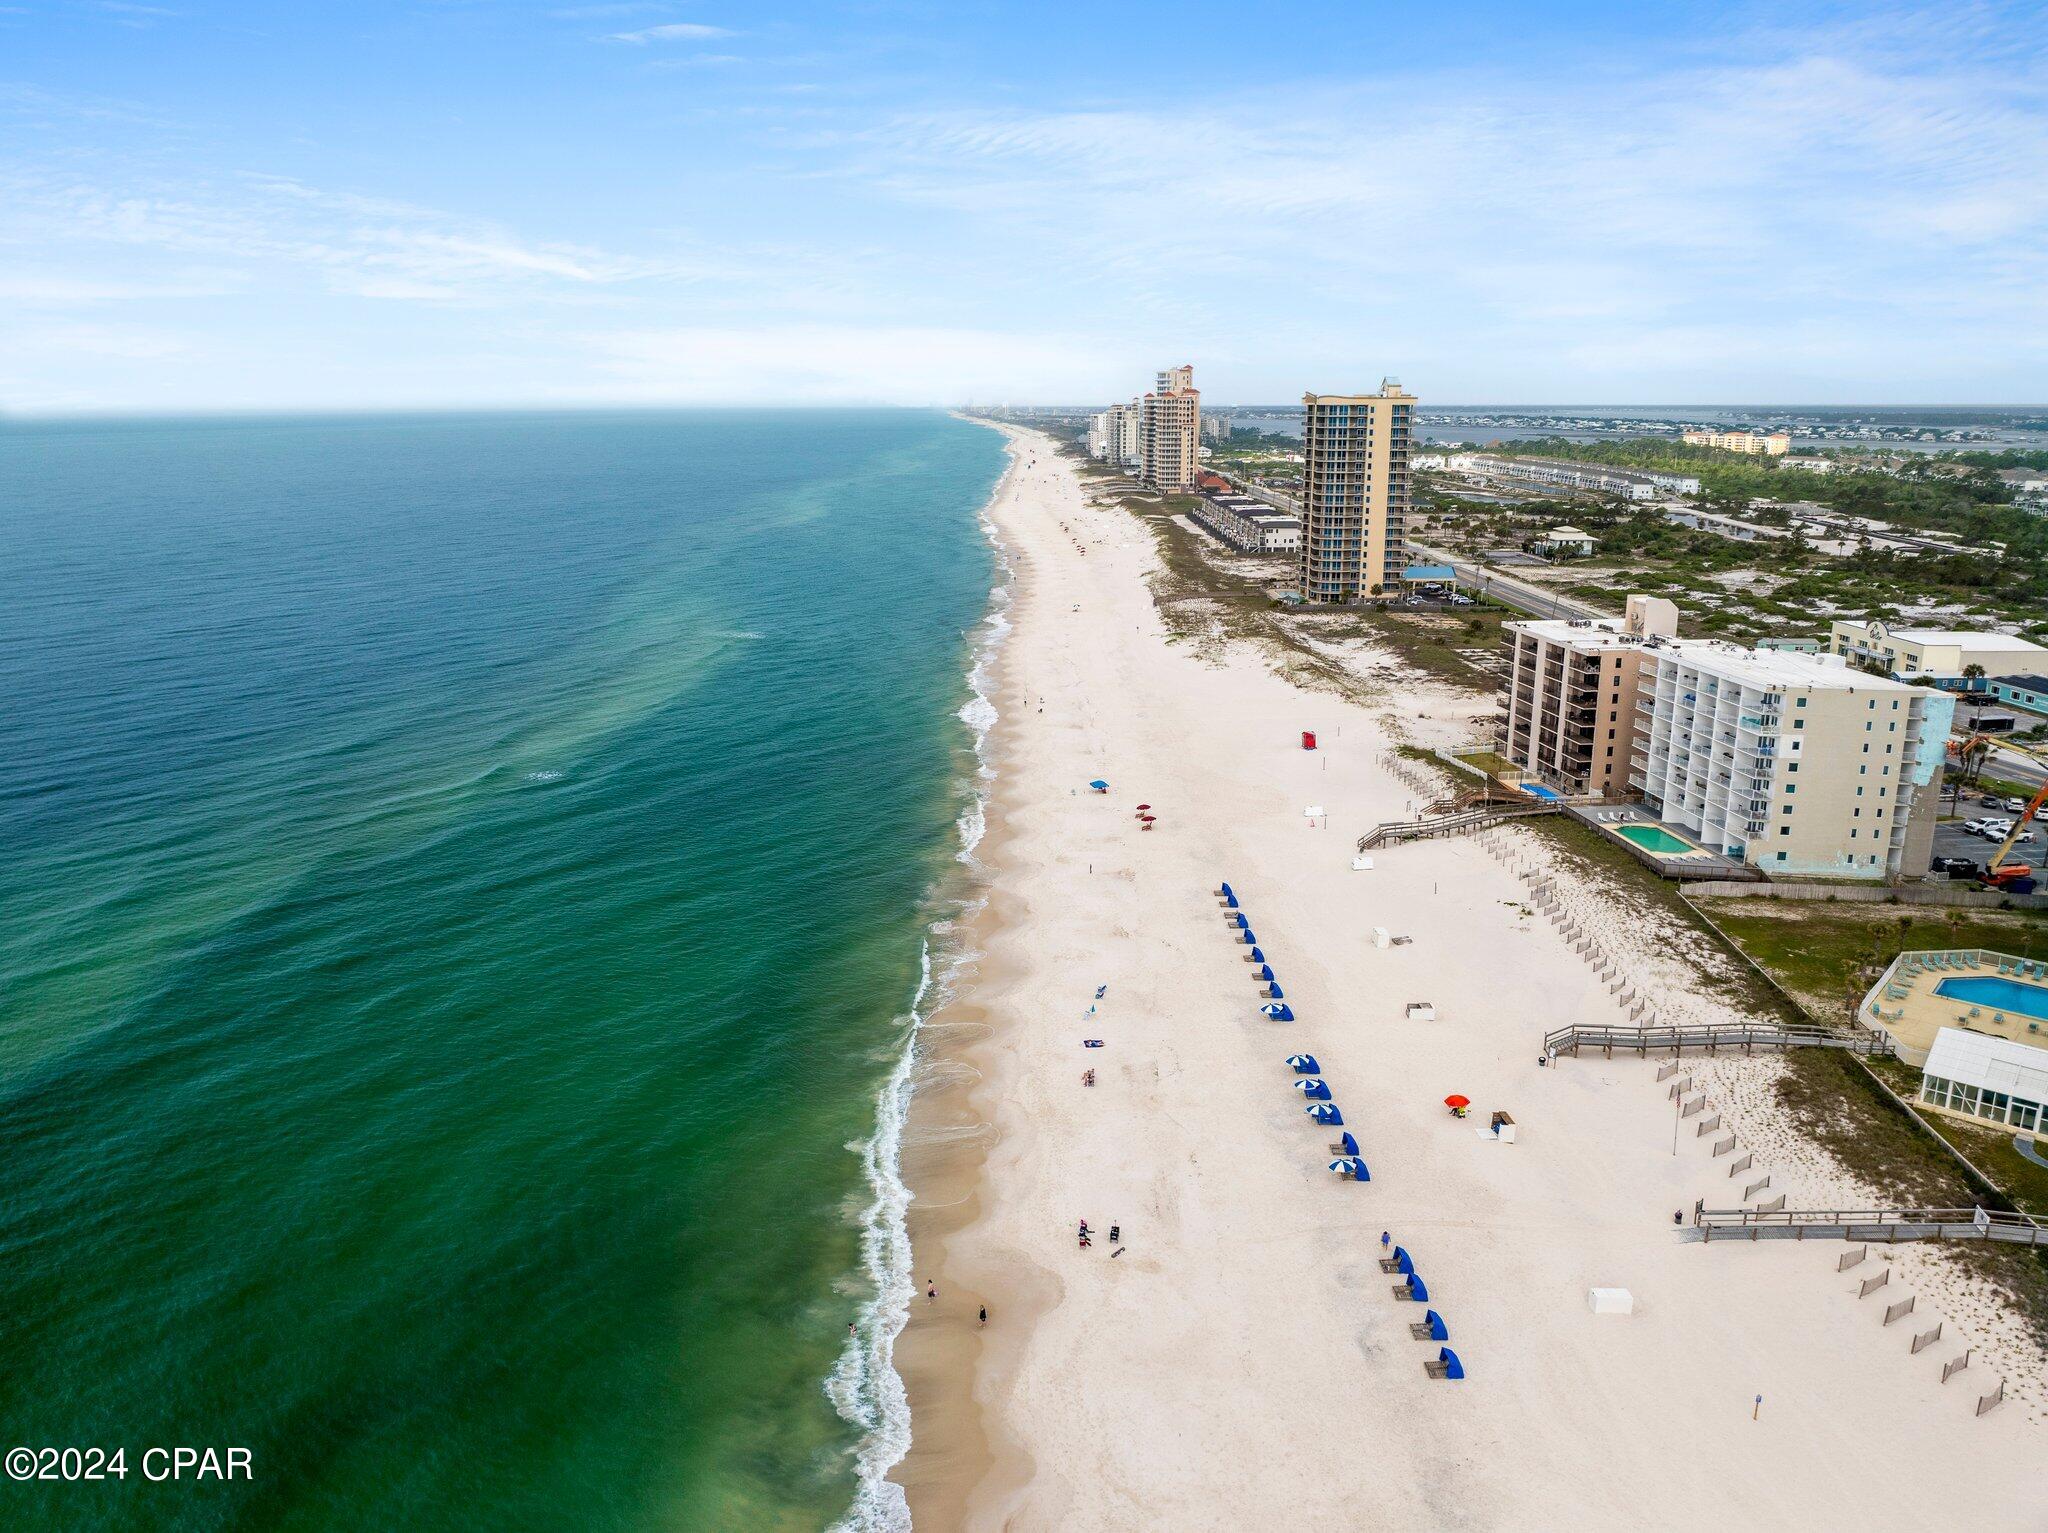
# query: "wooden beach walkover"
[[1709, 1038], [1873, 1225]]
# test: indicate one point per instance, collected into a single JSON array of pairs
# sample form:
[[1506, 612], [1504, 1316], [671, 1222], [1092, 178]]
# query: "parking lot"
[[1951, 840]]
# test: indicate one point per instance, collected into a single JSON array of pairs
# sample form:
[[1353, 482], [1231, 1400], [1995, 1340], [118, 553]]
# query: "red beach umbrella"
[[1457, 1101], [1144, 806]]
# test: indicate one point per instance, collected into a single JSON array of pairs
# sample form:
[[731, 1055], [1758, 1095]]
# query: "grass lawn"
[[1829, 954]]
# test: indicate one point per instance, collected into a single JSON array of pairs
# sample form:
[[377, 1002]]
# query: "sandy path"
[[1243, 1363]]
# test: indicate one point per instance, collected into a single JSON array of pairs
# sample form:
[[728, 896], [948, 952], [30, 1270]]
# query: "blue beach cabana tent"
[[1437, 1329], [1416, 1289], [1403, 1262], [1279, 1011], [1227, 892], [1453, 1369], [1242, 923], [1257, 956], [1314, 1090], [1325, 1112], [1230, 900], [1246, 933], [1274, 992], [1350, 1144], [1265, 971], [1300, 1064], [1099, 785]]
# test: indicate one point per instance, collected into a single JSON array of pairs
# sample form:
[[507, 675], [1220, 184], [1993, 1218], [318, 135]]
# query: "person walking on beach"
[[984, 1314], [931, 1291]]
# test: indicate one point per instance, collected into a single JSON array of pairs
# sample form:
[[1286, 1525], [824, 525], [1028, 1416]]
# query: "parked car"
[[1978, 827], [2016, 805], [1955, 867], [1460, 601]]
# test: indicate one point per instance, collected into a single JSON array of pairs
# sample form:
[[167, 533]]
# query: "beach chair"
[[1444, 1365], [2005, 967]]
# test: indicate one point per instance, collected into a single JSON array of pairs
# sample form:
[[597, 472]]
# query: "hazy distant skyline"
[[455, 203]]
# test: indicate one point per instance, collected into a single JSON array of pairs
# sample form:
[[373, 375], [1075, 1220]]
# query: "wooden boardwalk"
[[1476, 818], [1873, 1225], [1709, 1038]]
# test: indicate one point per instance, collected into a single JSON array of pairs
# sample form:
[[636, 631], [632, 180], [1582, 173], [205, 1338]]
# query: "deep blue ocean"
[[465, 884]]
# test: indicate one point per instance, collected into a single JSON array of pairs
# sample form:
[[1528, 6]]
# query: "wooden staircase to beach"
[[1456, 821]]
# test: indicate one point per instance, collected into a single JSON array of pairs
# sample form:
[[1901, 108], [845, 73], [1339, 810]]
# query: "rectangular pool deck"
[[2002, 995]]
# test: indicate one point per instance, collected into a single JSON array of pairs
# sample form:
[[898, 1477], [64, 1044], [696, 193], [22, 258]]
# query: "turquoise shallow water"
[[464, 887]]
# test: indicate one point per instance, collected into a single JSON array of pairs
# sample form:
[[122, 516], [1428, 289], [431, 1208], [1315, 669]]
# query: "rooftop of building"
[[1966, 637], [1786, 670], [2028, 682]]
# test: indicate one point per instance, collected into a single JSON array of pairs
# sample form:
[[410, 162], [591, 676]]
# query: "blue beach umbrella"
[[1300, 1064], [1279, 1011], [1314, 1090], [1352, 1167], [1350, 1144], [1099, 785], [1325, 1112]]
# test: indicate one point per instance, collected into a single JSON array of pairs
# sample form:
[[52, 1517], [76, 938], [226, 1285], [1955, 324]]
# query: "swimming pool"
[[1539, 791], [1654, 838], [1998, 993]]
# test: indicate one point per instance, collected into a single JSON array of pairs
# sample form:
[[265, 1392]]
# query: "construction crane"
[[2014, 877]]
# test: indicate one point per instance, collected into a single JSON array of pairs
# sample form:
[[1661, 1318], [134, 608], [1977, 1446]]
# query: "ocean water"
[[466, 881]]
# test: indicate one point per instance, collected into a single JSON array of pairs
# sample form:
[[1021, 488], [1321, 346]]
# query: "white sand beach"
[[1242, 1362]]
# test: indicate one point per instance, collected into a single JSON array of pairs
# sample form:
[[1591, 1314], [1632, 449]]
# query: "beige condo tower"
[[1170, 431], [1355, 493]]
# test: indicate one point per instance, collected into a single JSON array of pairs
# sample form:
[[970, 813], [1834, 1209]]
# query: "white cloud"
[[671, 32]]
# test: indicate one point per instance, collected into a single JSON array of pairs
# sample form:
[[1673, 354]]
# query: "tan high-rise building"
[[1355, 493], [1170, 431], [1571, 695]]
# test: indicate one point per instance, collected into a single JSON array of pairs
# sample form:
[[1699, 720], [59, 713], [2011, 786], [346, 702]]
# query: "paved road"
[[1504, 587]]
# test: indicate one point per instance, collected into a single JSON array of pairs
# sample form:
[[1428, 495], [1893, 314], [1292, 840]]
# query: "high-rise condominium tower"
[[1170, 431], [1355, 492]]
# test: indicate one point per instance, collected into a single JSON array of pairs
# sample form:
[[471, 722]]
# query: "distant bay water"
[[466, 881]]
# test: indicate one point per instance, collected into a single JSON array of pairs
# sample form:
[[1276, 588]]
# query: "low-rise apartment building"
[[2028, 692], [1940, 655], [1796, 765], [1571, 693], [1247, 525], [1565, 474], [1773, 444]]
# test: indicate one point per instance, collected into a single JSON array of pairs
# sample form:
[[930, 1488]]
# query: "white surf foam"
[[864, 1386]]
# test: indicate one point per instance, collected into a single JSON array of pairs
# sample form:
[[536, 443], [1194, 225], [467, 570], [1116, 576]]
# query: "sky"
[[482, 203]]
